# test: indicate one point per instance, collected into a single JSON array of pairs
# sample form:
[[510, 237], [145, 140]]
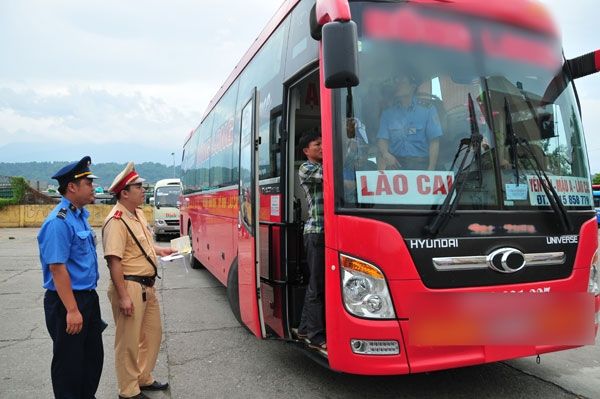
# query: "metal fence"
[[6, 190]]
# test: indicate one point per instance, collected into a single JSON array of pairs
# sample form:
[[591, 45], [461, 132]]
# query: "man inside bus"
[[355, 157], [312, 323], [409, 130]]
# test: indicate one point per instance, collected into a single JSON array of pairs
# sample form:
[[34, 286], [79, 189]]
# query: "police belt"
[[144, 280]]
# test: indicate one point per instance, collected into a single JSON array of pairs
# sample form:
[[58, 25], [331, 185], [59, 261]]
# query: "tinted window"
[[301, 48], [167, 196], [266, 73], [221, 142], [203, 153], [462, 97], [188, 164]]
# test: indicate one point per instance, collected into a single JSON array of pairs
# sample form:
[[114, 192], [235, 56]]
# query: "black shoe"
[[301, 335], [321, 345], [138, 396], [318, 342], [155, 386]]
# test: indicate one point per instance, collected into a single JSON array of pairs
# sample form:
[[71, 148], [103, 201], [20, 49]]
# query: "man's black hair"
[[118, 195], [62, 190], [308, 138]]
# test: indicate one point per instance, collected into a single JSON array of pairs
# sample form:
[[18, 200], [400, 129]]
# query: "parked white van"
[[166, 208]]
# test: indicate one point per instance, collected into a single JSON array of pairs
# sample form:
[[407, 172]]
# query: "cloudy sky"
[[129, 79]]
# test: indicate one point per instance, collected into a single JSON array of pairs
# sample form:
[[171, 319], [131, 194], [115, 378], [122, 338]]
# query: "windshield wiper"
[[515, 142], [448, 207], [511, 140]]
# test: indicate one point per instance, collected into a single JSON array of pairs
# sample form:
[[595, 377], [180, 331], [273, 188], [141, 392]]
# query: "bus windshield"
[[444, 95], [167, 196]]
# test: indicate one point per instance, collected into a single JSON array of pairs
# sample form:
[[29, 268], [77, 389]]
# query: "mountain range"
[[39, 173], [100, 153]]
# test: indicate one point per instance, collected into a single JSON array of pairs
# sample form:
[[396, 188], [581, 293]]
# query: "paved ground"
[[206, 354]]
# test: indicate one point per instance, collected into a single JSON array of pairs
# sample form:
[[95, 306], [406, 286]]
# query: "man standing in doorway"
[[312, 325], [67, 247], [132, 256]]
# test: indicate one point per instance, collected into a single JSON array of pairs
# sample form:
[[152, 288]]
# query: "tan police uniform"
[[137, 337]]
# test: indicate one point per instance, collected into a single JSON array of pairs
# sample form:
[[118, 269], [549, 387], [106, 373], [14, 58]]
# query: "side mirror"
[[585, 65], [152, 201], [578, 68], [340, 54]]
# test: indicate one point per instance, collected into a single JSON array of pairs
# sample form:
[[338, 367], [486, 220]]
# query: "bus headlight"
[[594, 283], [364, 289], [160, 222]]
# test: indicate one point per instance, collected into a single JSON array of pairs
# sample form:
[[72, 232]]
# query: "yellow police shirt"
[[117, 241]]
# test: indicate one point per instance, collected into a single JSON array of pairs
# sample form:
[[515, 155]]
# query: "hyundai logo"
[[506, 260]]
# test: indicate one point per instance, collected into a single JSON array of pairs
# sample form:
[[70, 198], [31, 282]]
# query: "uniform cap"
[[74, 171], [126, 177]]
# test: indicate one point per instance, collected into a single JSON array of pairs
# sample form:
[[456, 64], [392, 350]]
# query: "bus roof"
[[530, 14], [167, 182]]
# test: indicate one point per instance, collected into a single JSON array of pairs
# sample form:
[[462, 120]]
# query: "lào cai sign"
[[406, 187]]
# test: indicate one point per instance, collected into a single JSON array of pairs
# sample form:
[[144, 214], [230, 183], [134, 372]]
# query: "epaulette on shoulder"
[[118, 215], [62, 214]]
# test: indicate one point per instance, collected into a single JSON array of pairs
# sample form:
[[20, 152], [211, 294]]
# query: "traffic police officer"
[[409, 131], [131, 255], [70, 270]]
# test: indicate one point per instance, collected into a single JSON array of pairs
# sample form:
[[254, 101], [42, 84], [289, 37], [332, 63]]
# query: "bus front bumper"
[[412, 358]]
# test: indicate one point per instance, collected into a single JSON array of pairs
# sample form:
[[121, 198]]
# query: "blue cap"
[[74, 171]]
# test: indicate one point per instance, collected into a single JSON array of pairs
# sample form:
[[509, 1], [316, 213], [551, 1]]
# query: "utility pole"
[[173, 155]]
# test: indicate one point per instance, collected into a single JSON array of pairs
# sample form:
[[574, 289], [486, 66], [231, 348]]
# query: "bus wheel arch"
[[194, 262], [233, 291]]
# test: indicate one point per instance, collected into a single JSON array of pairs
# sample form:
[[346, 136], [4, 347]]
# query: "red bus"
[[490, 254]]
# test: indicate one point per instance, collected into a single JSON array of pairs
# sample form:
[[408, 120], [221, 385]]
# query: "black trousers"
[[77, 359], [312, 322]]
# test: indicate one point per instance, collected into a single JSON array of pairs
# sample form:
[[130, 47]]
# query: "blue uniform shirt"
[[409, 130], [66, 237]]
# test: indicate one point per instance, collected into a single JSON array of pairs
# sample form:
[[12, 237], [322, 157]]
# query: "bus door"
[[303, 114], [248, 237]]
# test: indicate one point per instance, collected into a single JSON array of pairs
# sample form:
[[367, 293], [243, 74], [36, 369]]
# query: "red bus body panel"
[[393, 258], [247, 282], [524, 13]]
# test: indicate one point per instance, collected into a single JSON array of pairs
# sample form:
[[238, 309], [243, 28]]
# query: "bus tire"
[[194, 263], [233, 293]]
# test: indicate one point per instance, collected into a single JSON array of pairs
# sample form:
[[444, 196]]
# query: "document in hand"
[[182, 245]]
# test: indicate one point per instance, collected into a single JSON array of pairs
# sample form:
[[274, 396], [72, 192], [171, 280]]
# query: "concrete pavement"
[[206, 354]]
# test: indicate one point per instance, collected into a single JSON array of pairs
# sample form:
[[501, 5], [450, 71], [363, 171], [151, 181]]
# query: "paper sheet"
[[182, 245], [172, 257]]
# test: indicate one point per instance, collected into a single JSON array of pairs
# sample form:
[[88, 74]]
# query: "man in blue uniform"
[[409, 131], [67, 247]]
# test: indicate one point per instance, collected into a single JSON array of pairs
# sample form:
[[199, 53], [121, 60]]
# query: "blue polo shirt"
[[409, 130], [66, 237]]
